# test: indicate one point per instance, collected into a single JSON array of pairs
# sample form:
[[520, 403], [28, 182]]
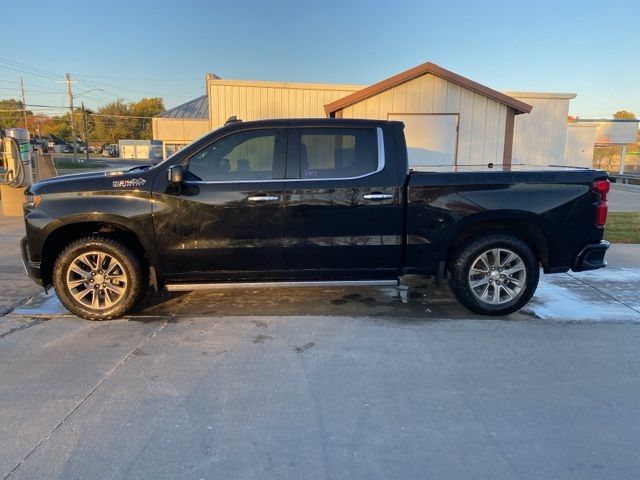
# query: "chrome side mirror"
[[175, 174]]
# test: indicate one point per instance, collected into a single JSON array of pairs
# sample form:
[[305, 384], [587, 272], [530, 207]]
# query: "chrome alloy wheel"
[[497, 276], [96, 280]]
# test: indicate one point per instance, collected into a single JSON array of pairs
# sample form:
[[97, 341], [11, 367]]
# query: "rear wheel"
[[99, 278], [494, 274]]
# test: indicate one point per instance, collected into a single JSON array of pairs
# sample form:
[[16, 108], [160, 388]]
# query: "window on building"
[[336, 153], [240, 156]]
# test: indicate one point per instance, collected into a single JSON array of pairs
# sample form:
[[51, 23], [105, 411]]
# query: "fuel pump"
[[16, 150]]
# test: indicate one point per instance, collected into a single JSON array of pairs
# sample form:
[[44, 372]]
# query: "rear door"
[[226, 219], [343, 213]]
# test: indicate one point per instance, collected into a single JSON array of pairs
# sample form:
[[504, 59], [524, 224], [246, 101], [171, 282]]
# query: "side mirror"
[[175, 174]]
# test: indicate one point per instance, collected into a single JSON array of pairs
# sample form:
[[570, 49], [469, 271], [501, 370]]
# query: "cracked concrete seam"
[[89, 395], [11, 308], [34, 321], [603, 292]]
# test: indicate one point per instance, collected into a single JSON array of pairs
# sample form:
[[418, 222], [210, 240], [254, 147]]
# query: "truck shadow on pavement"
[[419, 299], [422, 302], [607, 295]]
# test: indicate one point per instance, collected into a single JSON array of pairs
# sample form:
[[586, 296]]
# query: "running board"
[[188, 287]]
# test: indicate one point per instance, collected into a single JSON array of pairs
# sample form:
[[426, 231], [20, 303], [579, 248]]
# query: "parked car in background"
[[111, 150]]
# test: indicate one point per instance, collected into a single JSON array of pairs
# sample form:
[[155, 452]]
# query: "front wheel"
[[494, 274], [98, 278]]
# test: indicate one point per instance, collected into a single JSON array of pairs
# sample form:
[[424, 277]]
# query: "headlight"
[[32, 201]]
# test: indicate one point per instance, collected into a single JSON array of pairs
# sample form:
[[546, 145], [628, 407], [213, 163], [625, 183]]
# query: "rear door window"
[[336, 153]]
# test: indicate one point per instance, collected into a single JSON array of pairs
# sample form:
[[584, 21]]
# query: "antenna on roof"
[[232, 119]]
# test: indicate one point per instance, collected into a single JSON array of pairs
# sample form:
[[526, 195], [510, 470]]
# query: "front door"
[[343, 210], [227, 218]]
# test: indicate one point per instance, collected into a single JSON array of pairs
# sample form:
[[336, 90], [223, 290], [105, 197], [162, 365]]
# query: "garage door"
[[432, 139]]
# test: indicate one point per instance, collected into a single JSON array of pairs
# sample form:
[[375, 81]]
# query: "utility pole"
[[85, 134], [73, 128], [24, 105], [623, 153]]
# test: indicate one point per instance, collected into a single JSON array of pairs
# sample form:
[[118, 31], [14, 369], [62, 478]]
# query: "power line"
[[29, 68], [39, 72], [154, 79], [35, 105], [96, 96], [101, 84], [118, 116], [23, 71], [18, 110], [28, 90]]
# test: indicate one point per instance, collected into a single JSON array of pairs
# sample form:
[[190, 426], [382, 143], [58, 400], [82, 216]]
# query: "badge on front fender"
[[132, 182]]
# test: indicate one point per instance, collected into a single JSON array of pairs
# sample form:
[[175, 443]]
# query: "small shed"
[[140, 149], [449, 119]]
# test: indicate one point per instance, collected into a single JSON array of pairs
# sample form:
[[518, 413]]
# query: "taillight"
[[601, 187]]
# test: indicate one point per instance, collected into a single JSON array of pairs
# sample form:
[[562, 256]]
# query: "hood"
[[100, 180]]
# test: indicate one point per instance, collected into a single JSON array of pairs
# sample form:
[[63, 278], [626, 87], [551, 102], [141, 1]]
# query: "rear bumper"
[[32, 268], [591, 257]]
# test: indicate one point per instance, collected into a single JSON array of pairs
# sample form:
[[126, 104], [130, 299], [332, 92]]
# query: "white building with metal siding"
[[539, 138], [480, 121], [449, 120], [250, 100], [579, 145], [426, 98]]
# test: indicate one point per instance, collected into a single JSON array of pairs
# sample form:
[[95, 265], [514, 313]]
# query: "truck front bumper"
[[591, 257], [32, 268]]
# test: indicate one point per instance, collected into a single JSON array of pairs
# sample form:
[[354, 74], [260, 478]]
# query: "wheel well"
[[529, 233], [62, 236]]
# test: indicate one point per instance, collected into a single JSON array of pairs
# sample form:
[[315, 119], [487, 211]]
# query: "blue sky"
[[131, 49]]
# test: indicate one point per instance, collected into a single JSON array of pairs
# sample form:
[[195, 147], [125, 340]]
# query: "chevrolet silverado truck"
[[308, 203]]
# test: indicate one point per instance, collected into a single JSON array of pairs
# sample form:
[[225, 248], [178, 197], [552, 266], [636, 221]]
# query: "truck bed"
[[549, 205]]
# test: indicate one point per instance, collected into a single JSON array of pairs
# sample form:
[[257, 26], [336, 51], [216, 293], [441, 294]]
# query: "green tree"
[[111, 123], [147, 107], [624, 115], [60, 126], [11, 113], [119, 120]]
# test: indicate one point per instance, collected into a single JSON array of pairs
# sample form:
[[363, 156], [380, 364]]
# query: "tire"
[[477, 272], [99, 278]]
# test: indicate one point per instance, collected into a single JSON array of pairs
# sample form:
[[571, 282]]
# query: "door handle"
[[377, 196], [264, 198]]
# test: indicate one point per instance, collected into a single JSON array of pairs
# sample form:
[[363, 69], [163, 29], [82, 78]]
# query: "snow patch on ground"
[[631, 275], [595, 296]]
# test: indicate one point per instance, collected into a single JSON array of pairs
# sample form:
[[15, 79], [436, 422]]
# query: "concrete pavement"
[[327, 383], [15, 286], [624, 198], [320, 397]]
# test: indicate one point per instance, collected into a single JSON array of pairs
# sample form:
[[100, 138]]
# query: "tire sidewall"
[[480, 245], [111, 248]]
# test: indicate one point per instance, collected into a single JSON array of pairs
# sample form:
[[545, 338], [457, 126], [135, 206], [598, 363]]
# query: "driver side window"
[[237, 157]]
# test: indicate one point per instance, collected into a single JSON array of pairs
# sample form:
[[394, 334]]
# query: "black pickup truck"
[[308, 203]]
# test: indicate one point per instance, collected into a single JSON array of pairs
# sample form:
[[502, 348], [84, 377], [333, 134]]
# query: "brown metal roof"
[[432, 68]]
